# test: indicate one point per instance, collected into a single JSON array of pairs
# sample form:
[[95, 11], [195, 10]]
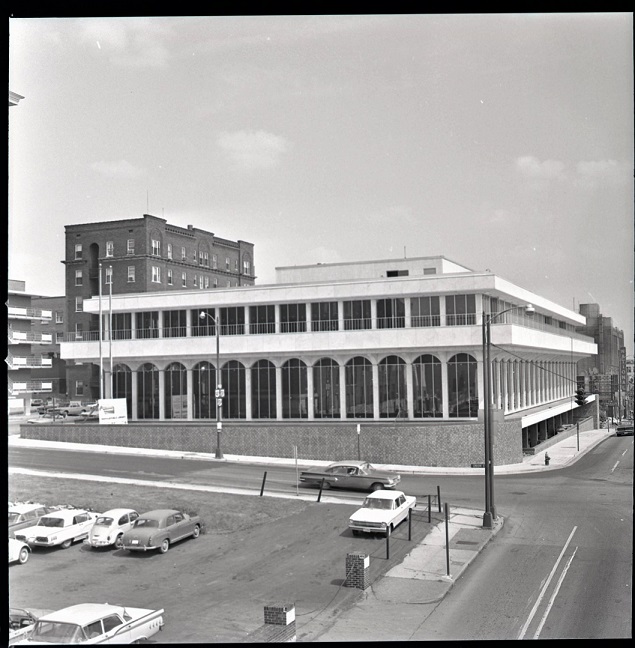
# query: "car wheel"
[[66, 544], [119, 541], [196, 532], [24, 555], [355, 532], [165, 545], [376, 487]]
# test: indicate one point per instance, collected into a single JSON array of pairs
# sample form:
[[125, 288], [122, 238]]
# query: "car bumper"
[[130, 547], [97, 543]]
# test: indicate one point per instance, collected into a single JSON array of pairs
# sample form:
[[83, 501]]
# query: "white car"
[[18, 551], [61, 528], [110, 527], [381, 512]]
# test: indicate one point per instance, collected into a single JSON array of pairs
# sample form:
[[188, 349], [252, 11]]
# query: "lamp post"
[[219, 393], [490, 507]]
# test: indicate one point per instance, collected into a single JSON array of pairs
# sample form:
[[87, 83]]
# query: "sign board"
[[113, 411]]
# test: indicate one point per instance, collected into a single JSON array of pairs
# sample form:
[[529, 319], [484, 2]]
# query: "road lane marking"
[[545, 586], [553, 596], [615, 466], [625, 451]]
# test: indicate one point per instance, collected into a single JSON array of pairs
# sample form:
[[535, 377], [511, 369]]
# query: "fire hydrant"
[[547, 459]]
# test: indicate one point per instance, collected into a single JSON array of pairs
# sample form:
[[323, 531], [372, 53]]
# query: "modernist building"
[[141, 255], [25, 349], [385, 341]]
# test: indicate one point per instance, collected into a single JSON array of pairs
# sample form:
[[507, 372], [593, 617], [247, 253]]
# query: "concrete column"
[[373, 313], [407, 312], [162, 394], [278, 388], [135, 396], [190, 395], [444, 389], [277, 317], [342, 391], [247, 320], [375, 369], [409, 390], [310, 394], [188, 323], [248, 410]]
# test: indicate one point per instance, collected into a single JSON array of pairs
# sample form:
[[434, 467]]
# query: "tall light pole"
[[218, 392], [490, 507]]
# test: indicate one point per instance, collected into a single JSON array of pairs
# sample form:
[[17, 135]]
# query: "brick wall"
[[403, 443]]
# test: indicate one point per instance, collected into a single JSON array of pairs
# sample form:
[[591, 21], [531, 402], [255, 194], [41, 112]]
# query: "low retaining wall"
[[403, 443]]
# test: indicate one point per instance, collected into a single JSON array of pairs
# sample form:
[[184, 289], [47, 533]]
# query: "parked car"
[[75, 408], [625, 428], [18, 551], [60, 528], [25, 515], [350, 474], [159, 529], [21, 622], [381, 512], [96, 623], [109, 527]]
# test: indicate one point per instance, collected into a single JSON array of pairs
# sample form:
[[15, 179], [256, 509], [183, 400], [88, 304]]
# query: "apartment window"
[[156, 247], [79, 304], [59, 317], [324, 316], [206, 282], [184, 279], [156, 274], [460, 310], [108, 276], [79, 388], [200, 258], [59, 336], [357, 315], [424, 311], [169, 277], [206, 259], [292, 318], [79, 331], [79, 277], [169, 250], [215, 282], [130, 246], [110, 248], [215, 261], [246, 267], [183, 254], [195, 280], [236, 265], [227, 266], [78, 251], [131, 274]]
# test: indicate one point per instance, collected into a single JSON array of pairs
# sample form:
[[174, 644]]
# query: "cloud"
[[595, 172], [117, 169], [532, 167], [253, 149]]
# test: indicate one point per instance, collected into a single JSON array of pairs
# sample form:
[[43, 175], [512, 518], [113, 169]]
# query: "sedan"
[[625, 428], [381, 512], [358, 475], [109, 528], [18, 551], [60, 528], [159, 529]]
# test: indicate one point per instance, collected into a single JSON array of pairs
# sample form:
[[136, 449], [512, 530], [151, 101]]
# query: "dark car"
[[159, 529], [355, 475], [625, 428]]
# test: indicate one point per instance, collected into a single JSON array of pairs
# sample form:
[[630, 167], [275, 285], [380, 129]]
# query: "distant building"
[[377, 342], [141, 255], [25, 349]]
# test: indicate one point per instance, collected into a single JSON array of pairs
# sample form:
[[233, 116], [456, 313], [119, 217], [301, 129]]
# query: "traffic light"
[[580, 396]]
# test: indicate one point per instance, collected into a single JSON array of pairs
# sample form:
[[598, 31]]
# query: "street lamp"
[[219, 393], [490, 508]]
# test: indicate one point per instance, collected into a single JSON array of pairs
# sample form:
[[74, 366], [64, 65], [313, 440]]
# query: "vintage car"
[[381, 512], [61, 528], [21, 622], [625, 428], [18, 551], [75, 408], [350, 474], [26, 514], [96, 623], [159, 529], [109, 527]]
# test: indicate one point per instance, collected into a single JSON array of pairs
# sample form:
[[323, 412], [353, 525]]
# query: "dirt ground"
[[255, 551]]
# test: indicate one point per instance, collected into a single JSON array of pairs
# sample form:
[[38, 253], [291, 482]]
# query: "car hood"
[[371, 515]]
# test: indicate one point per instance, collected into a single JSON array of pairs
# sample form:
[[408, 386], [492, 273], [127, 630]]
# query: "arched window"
[[175, 391], [359, 388], [204, 386], [148, 392], [326, 389], [294, 392], [393, 401], [122, 385], [233, 381], [426, 387], [263, 390], [462, 386]]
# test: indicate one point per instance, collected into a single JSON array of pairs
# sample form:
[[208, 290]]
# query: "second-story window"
[[169, 277], [59, 317], [460, 310], [214, 261], [79, 277], [79, 304], [206, 259], [108, 276], [227, 266], [156, 247], [131, 274], [156, 274], [130, 246], [195, 280], [110, 248], [78, 251], [184, 279], [183, 254], [169, 250]]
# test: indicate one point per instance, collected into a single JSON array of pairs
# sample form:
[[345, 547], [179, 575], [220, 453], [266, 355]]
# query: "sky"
[[500, 141]]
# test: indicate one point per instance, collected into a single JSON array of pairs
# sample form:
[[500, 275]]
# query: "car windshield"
[[146, 524], [56, 633], [50, 522], [374, 503], [103, 521]]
